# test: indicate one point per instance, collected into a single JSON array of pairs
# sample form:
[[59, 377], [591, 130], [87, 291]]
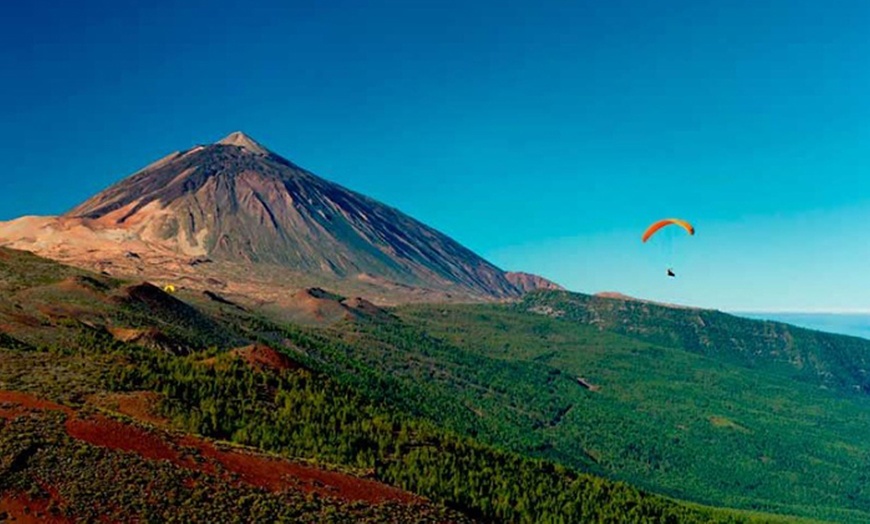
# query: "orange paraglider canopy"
[[650, 231]]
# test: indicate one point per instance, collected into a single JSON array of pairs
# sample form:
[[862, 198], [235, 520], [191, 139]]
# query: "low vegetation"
[[486, 413]]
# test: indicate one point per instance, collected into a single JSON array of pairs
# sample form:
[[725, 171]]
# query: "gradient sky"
[[543, 135]]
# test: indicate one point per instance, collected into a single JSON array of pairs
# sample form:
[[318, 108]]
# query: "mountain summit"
[[244, 141], [235, 201]]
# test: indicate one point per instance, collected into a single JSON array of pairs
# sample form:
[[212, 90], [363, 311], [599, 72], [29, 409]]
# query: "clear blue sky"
[[543, 135]]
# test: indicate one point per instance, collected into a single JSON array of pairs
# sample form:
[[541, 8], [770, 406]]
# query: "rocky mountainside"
[[235, 202], [526, 282]]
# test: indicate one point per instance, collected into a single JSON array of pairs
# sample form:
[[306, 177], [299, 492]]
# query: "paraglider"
[[651, 230], [656, 226]]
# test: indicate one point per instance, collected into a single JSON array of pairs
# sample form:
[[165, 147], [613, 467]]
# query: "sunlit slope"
[[695, 426], [107, 388], [835, 361], [235, 216]]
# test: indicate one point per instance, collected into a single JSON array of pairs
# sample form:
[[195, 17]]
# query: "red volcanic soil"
[[260, 356], [101, 431], [18, 507], [318, 304], [29, 402], [140, 405], [13, 404], [278, 475], [11, 413], [262, 471], [21, 509]]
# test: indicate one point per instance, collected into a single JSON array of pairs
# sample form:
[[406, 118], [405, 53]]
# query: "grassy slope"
[[69, 467], [835, 361], [58, 321], [692, 425]]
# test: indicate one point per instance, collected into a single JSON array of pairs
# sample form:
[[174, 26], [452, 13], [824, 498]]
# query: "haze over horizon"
[[545, 138]]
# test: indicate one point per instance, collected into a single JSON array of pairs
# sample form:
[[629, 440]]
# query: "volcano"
[[236, 202]]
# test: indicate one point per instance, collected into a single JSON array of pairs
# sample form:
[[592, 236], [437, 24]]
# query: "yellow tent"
[[169, 288]]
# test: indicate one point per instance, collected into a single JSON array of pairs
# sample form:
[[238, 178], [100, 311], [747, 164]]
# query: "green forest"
[[303, 414]]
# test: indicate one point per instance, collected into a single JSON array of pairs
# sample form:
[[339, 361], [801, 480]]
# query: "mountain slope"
[[235, 201], [70, 375], [835, 361], [526, 282], [62, 463], [702, 427]]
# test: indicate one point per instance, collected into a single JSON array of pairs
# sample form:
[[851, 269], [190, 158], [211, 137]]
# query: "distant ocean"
[[855, 324]]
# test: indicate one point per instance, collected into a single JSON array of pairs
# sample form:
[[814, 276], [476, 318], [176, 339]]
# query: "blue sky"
[[543, 135]]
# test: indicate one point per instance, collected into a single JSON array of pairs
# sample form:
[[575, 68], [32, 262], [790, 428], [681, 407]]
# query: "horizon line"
[[834, 311]]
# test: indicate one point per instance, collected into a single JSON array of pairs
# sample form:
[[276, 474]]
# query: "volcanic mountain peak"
[[242, 140], [236, 202]]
